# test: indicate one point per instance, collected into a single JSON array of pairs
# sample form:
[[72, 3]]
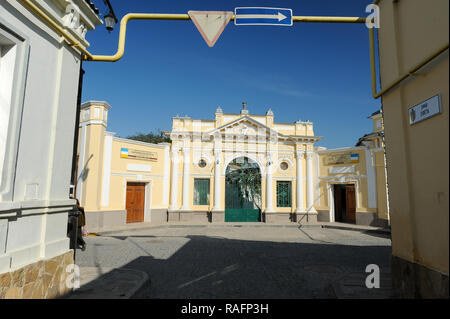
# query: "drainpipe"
[[73, 179]]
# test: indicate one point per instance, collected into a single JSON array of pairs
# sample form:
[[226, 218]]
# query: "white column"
[[174, 183], [166, 175], [107, 168], [269, 188], [186, 177], [371, 178], [217, 154], [309, 183], [300, 201]]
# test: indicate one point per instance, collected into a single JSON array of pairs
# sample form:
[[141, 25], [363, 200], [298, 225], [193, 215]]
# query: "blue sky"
[[310, 71]]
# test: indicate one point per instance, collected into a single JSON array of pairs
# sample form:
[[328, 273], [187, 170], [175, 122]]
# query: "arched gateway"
[[243, 191]]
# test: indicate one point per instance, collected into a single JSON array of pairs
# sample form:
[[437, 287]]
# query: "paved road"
[[247, 262]]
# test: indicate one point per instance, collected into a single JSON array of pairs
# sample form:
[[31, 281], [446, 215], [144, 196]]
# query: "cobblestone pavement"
[[246, 262]]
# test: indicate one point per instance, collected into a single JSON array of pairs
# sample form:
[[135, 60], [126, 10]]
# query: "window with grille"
[[284, 194], [201, 191]]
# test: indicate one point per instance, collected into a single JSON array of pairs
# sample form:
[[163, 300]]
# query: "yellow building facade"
[[199, 176], [415, 33], [352, 181]]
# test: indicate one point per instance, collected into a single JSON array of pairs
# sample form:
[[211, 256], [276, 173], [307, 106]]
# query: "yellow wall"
[[121, 175], [381, 185], [360, 173], [96, 148], [359, 177], [417, 155], [93, 164], [93, 119]]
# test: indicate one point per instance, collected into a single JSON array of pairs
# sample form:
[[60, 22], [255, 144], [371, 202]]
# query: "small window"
[[201, 191], [284, 166], [284, 194], [86, 114], [202, 163], [378, 123]]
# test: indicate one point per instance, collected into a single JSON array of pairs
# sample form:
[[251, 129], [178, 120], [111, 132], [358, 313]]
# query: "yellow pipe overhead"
[[329, 19], [373, 71], [154, 16], [406, 75], [161, 16], [158, 16], [123, 31]]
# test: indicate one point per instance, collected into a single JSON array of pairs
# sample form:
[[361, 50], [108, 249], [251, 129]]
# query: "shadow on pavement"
[[208, 267]]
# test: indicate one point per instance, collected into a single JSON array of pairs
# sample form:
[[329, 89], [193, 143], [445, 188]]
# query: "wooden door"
[[350, 203], [135, 202]]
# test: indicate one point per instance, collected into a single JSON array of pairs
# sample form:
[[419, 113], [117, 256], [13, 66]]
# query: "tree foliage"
[[152, 137], [245, 176]]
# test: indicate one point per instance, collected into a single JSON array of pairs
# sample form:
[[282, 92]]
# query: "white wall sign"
[[139, 168], [425, 110], [342, 169]]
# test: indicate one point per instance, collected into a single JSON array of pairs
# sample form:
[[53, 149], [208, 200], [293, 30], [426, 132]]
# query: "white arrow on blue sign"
[[263, 16]]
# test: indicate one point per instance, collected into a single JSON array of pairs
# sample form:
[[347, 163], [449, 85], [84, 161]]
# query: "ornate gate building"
[[233, 168], [282, 153]]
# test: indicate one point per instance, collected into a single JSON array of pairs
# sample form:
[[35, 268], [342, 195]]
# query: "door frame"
[[248, 211], [147, 198], [330, 187]]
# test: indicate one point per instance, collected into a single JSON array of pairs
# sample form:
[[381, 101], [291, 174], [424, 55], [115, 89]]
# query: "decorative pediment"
[[245, 126]]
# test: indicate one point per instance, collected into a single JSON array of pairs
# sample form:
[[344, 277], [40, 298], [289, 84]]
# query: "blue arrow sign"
[[263, 16]]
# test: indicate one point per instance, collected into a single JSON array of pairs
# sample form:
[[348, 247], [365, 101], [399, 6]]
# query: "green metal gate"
[[243, 191]]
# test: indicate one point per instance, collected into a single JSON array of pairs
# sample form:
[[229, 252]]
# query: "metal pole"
[[74, 179]]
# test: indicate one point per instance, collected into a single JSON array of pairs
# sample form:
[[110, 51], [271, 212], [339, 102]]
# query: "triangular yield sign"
[[210, 23]]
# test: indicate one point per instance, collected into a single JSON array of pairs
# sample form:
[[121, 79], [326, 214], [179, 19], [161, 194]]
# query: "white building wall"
[[34, 211]]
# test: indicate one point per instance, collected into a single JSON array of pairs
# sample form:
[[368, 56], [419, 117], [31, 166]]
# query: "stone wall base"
[[411, 280], [218, 216], [194, 216], [303, 218], [173, 216], [323, 216], [189, 216], [158, 216], [306, 218], [96, 221], [45, 279], [366, 219], [370, 219]]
